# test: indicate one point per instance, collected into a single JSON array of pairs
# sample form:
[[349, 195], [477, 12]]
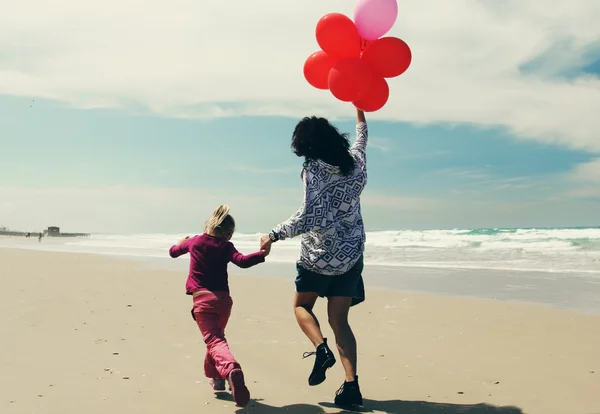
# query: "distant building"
[[53, 231]]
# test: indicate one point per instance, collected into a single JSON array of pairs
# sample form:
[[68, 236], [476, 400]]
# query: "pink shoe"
[[217, 384], [239, 391]]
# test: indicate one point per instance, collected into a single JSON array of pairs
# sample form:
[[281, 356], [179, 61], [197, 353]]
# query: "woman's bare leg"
[[337, 310], [303, 308]]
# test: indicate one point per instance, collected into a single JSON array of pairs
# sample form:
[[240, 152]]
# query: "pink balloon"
[[374, 18]]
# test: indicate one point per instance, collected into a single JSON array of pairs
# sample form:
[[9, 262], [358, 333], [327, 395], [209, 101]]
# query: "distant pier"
[[49, 232]]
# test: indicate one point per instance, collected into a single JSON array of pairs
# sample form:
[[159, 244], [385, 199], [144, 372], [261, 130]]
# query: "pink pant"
[[212, 311]]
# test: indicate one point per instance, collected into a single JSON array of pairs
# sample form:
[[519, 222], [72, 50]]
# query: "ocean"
[[558, 266]]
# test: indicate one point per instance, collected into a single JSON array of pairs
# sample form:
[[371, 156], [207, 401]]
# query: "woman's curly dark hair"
[[316, 139]]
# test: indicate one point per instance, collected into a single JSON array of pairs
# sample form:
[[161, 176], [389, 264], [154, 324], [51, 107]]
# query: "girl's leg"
[[210, 368], [224, 317], [217, 382], [212, 315], [337, 310], [303, 308], [209, 317]]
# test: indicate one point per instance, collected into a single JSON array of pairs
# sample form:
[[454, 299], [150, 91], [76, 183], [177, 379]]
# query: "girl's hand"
[[267, 249], [184, 239]]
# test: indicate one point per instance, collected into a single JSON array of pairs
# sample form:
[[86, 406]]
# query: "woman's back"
[[331, 213]]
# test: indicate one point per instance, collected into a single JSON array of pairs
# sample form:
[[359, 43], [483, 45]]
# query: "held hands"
[[184, 239], [265, 244], [265, 241], [266, 250]]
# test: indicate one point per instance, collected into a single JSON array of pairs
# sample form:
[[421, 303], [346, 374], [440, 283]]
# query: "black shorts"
[[349, 284]]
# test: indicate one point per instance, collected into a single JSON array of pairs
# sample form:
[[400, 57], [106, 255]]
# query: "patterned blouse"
[[330, 220]]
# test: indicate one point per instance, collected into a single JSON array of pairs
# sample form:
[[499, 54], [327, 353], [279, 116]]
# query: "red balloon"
[[316, 69], [338, 37], [375, 97], [348, 79], [388, 56]]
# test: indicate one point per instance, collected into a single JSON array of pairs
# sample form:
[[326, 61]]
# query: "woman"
[[333, 238]]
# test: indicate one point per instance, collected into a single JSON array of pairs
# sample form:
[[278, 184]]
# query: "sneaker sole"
[[317, 380], [239, 391]]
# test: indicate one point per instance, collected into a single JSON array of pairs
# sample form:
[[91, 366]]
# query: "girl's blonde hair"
[[221, 223]]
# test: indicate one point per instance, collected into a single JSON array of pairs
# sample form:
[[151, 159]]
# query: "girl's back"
[[210, 253], [209, 257]]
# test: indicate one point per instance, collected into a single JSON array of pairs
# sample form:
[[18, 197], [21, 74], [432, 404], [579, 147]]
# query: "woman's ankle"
[[321, 344], [317, 342]]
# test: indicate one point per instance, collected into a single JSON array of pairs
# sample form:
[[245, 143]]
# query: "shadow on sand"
[[391, 407]]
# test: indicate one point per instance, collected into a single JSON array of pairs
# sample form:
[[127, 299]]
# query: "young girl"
[[207, 283]]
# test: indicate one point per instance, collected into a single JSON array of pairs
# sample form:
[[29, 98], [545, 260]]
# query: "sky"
[[134, 117]]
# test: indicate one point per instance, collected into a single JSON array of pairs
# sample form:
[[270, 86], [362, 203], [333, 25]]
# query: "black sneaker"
[[349, 396], [324, 360]]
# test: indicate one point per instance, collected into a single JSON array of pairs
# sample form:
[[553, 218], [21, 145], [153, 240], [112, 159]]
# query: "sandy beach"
[[94, 334]]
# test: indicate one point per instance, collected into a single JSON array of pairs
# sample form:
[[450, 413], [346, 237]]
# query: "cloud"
[[546, 64], [582, 192], [259, 170], [211, 59], [399, 203], [588, 172], [503, 187], [422, 155], [457, 173], [380, 144], [582, 182]]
